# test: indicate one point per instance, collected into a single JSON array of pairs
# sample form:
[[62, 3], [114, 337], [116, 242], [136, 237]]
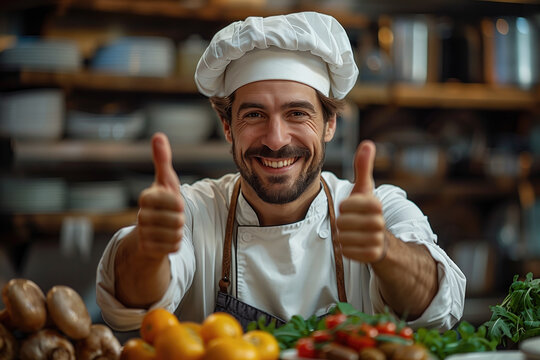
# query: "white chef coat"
[[284, 270]]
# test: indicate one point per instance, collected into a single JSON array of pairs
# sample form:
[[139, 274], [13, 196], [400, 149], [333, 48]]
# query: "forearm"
[[408, 278], [140, 280]]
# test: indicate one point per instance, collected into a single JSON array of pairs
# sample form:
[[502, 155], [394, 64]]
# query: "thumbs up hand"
[[361, 225], [161, 215]]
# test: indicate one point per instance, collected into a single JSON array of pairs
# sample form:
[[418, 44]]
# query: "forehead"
[[275, 92]]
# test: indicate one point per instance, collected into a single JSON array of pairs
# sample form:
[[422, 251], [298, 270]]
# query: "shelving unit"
[[96, 81], [446, 193], [51, 224]]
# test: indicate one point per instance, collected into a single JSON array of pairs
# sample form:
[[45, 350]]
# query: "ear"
[[330, 128], [226, 129]]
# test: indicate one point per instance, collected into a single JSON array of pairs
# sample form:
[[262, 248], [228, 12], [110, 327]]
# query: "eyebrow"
[[249, 105], [293, 104]]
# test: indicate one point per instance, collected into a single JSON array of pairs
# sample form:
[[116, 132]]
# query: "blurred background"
[[448, 90]]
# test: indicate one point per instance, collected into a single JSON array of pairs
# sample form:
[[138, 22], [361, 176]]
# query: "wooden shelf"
[[103, 222], [116, 152], [87, 80], [446, 95], [453, 189], [442, 95], [214, 10]]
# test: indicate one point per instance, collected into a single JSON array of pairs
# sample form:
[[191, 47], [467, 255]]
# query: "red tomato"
[[386, 328], [342, 335], [406, 332], [321, 336], [331, 321], [359, 342], [306, 348], [368, 330]]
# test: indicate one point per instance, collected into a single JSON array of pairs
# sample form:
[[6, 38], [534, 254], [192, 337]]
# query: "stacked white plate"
[[32, 114], [98, 196], [23, 195], [83, 125], [184, 123], [35, 53], [490, 355], [144, 56]]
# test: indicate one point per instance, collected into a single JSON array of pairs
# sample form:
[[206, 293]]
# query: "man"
[[280, 238]]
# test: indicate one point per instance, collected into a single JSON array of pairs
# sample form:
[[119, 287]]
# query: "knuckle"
[[179, 221], [147, 196], [379, 223], [379, 237]]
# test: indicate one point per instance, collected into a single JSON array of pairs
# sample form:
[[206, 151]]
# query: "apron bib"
[[244, 312]]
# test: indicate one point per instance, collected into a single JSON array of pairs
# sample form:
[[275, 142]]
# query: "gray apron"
[[246, 313]]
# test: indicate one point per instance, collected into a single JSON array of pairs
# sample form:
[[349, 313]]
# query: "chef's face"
[[278, 136]]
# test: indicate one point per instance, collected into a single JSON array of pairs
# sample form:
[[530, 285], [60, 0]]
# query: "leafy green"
[[297, 327], [464, 339], [287, 335], [518, 316]]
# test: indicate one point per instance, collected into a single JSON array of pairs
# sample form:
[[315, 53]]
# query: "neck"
[[280, 214]]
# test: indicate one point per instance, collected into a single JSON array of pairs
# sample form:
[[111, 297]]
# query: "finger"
[[361, 240], [158, 198], [166, 219], [364, 255], [162, 158], [361, 204], [364, 159], [157, 238], [353, 222]]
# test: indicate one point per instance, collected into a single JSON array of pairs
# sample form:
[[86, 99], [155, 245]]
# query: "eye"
[[298, 115], [252, 115]]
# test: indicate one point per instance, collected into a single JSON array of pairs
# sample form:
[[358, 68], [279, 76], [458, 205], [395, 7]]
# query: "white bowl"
[[183, 123], [489, 355], [531, 348], [32, 114], [40, 195], [97, 196], [83, 125], [42, 54], [143, 56]]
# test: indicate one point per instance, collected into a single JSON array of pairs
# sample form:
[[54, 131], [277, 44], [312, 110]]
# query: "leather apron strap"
[[338, 254], [229, 230], [227, 245]]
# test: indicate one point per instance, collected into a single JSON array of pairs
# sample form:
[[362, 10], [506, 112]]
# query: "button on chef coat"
[[285, 270]]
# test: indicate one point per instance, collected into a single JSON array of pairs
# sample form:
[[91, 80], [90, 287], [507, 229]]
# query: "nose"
[[277, 134]]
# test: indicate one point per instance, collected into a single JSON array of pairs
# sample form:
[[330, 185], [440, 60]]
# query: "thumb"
[[162, 158], [364, 159]]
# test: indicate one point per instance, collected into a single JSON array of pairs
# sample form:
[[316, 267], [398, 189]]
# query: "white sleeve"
[[122, 318], [405, 220]]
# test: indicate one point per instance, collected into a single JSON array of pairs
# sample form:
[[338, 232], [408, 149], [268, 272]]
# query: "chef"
[[280, 237]]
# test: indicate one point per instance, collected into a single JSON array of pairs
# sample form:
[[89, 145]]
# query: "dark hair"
[[223, 106]]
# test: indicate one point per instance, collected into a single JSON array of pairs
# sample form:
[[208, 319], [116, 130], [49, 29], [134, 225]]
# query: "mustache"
[[287, 151]]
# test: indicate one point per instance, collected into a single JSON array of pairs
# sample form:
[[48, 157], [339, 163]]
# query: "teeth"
[[277, 164]]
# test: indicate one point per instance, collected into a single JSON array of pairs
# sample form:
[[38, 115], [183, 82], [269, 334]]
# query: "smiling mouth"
[[277, 164]]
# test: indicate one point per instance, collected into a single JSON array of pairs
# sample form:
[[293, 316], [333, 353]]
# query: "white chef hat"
[[307, 47]]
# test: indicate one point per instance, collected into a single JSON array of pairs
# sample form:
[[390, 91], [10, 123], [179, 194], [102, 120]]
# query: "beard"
[[281, 196]]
